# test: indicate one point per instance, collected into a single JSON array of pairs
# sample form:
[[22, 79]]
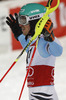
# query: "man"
[[40, 79]]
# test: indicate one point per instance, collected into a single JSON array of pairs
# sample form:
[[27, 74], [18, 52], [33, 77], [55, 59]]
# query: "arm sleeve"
[[55, 47], [23, 41], [47, 49]]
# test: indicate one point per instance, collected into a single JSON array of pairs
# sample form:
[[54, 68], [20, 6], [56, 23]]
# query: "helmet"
[[31, 11], [30, 14]]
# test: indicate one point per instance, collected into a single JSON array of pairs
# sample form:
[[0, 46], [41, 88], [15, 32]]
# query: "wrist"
[[50, 38]]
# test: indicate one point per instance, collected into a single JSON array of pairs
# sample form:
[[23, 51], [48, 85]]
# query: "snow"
[[11, 86]]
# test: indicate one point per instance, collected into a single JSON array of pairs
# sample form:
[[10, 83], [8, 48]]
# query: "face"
[[25, 29]]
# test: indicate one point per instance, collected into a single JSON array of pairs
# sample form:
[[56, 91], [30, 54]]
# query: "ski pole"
[[27, 73], [15, 61]]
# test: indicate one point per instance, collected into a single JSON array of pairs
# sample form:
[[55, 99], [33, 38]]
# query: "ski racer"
[[40, 80]]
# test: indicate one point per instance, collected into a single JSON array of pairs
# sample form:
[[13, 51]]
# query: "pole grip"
[[49, 3]]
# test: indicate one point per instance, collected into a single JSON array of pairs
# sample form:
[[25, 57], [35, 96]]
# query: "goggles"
[[24, 20]]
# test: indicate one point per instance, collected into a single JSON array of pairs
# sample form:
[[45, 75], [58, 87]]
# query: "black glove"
[[48, 31], [14, 25]]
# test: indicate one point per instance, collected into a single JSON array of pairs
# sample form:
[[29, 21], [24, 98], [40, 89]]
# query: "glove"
[[48, 31], [14, 25]]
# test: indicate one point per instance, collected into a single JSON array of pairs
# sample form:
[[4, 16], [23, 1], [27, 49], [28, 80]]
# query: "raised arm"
[[48, 44]]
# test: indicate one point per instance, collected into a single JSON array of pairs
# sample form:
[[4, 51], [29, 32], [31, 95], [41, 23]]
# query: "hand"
[[48, 31], [14, 25]]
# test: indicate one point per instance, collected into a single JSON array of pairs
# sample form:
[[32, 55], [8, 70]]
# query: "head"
[[28, 17]]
